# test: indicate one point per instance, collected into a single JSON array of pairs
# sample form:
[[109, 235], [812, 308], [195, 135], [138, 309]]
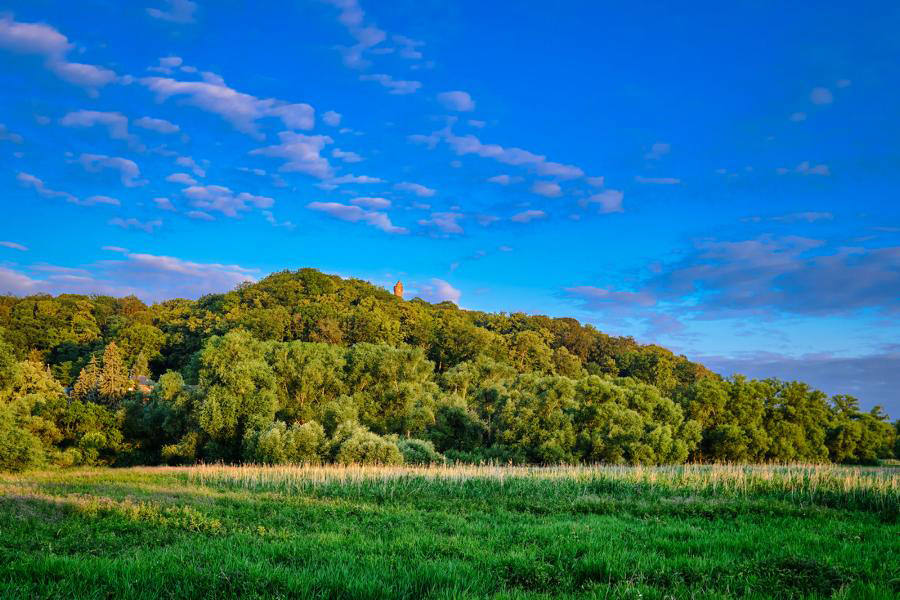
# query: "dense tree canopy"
[[308, 367]]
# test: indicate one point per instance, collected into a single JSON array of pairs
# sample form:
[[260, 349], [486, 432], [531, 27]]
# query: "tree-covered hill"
[[308, 367]]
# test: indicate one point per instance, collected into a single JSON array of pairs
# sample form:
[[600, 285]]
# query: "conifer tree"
[[88, 382], [140, 367], [114, 381]]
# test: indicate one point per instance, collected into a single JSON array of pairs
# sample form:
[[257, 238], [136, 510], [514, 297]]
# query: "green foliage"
[[291, 368], [354, 444], [419, 452]]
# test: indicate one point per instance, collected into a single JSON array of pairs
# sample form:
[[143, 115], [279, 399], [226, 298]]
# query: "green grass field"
[[460, 532]]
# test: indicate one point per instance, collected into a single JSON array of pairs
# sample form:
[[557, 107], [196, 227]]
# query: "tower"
[[398, 289]]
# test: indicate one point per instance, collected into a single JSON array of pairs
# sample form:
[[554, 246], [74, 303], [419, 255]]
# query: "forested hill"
[[304, 366]]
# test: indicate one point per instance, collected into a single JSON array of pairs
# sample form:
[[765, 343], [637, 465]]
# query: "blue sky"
[[719, 179]]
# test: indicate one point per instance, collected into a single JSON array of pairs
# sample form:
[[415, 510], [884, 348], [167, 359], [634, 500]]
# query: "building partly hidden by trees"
[[304, 367]]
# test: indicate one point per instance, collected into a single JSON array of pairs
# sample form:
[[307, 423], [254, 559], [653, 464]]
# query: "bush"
[[355, 444], [305, 443], [19, 449], [419, 452]]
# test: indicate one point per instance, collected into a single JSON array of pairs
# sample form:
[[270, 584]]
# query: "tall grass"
[[848, 487]]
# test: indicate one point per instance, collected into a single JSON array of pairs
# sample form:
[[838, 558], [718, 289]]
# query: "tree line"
[[305, 367]]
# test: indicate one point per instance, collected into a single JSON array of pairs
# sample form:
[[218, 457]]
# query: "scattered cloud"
[[45, 41], [302, 153], [658, 180], [347, 157], [504, 179], [157, 125], [221, 199], [179, 11], [798, 116], [37, 184], [240, 109], [527, 216], [370, 202], [415, 188], [331, 118], [132, 223], [437, 290], [354, 214], [394, 86], [181, 178], [658, 150], [808, 217], [550, 189], [164, 204], [116, 124], [128, 170], [14, 246], [610, 201], [190, 163], [821, 95], [456, 100], [806, 168], [99, 199], [7, 136], [167, 65], [444, 222]]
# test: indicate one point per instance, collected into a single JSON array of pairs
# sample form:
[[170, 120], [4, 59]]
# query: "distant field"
[[459, 532]]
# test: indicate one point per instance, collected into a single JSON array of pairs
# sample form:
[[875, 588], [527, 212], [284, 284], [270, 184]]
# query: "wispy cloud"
[[354, 214]]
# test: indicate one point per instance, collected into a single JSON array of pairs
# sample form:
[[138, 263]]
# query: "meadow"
[[451, 532]]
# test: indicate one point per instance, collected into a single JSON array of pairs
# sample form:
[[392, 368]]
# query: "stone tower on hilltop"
[[398, 289]]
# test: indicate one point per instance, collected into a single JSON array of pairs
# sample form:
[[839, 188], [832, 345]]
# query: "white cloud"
[[504, 179], [456, 100], [821, 95], [45, 41], [179, 11], [842, 83], [167, 64], [349, 178], [366, 36], [128, 169], [94, 200], [331, 118], [596, 181], [301, 153], [222, 199], [798, 116], [408, 47], [370, 202], [354, 214], [116, 124], [415, 188], [553, 169], [445, 222], [157, 125], [164, 203], [657, 180], [527, 216], [610, 201], [437, 290], [199, 215], [182, 178], [347, 157], [658, 150], [240, 109], [14, 246], [550, 189], [7, 135], [806, 168], [395, 86], [37, 184], [476, 123], [132, 223], [190, 163]]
